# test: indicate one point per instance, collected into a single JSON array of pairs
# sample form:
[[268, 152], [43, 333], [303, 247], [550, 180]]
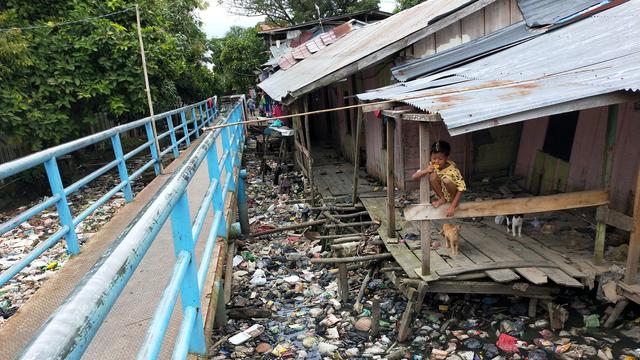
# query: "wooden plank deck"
[[481, 244]]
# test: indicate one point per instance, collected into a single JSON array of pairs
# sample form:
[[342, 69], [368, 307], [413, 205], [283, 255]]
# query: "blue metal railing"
[[60, 193], [69, 330]]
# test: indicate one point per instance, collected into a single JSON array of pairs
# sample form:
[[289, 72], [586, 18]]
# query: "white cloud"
[[216, 20]]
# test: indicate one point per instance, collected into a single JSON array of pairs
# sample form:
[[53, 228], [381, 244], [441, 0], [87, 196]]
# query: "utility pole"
[[148, 90]]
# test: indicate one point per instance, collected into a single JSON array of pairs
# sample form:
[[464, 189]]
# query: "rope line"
[[65, 23]]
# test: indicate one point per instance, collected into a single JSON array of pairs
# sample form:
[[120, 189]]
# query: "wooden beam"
[[377, 106], [631, 272], [496, 265], [527, 205], [485, 287], [391, 194], [425, 191], [356, 158], [615, 219], [396, 114], [422, 117]]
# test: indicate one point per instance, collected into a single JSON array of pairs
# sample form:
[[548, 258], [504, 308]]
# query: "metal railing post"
[[243, 210], [214, 173], [185, 128], [203, 116], [122, 167], [189, 291], [152, 146], [228, 161], [172, 135], [64, 212], [195, 121]]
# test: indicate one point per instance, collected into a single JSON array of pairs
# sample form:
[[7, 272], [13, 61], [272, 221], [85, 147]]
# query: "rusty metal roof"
[[548, 12], [313, 72], [595, 56]]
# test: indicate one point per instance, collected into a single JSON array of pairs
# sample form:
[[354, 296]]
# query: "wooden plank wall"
[[586, 162], [495, 16]]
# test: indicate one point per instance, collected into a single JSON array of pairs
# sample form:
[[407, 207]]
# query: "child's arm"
[[422, 172], [454, 204]]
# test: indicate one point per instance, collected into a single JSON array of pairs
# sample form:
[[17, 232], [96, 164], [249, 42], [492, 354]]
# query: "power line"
[[74, 22]]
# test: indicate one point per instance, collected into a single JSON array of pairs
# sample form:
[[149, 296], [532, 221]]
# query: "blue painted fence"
[[69, 330], [201, 116]]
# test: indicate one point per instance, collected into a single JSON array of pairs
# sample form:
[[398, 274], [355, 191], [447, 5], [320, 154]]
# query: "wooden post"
[[391, 194], [356, 157], [610, 141], [601, 228], [631, 272], [425, 191], [343, 282], [375, 317], [307, 134]]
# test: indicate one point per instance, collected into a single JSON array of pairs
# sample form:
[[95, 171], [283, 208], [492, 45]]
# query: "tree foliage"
[[54, 79], [291, 12], [237, 56], [405, 4]]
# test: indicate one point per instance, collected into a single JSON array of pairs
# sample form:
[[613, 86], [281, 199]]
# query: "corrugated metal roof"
[[497, 40], [547, 12], [356, 45], [595, 56]]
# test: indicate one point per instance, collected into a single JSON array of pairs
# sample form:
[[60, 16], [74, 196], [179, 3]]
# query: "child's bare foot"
[[438, 202]]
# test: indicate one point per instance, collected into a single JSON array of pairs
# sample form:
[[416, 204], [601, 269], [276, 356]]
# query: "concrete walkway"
[[122, 333]]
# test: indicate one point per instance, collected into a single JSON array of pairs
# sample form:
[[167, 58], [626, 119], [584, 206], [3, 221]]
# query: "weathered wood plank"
[[477, 257], [497, 265], [401, 253], [378, 106], [615, 218], [491, 247], [556, 275], [527, 205], [421, 117], [486, 287], [563, 263]]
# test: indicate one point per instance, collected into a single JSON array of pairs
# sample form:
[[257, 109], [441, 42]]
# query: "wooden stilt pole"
[[356, 157], [631, 273], [425, 190], [391, 194], [309, 159]]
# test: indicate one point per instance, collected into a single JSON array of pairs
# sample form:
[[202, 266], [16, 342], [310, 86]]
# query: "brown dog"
[[452, 237]]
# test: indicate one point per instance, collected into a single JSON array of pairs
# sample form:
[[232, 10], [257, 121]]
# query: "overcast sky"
[[216, 20]]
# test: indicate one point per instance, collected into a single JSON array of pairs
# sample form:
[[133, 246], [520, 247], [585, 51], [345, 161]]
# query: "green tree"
[[291, 12], [237, 58], [54, 79], [405, 4]]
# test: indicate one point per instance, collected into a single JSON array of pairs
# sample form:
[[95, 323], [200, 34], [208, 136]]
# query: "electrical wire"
[[73, 22]]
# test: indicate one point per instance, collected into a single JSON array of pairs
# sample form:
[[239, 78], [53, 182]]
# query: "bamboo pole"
[[148, 89]]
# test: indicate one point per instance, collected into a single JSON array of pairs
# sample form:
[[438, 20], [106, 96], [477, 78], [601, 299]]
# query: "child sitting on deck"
[[444, 177]]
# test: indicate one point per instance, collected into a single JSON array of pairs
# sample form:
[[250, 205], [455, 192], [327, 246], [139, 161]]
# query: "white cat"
[[514, 223]]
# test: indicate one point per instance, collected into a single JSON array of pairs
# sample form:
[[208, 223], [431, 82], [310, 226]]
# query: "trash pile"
[[286, 305], [16, 244]]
